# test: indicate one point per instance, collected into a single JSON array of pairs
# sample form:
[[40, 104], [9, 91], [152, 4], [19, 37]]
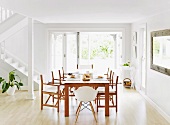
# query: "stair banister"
[[5, 14]]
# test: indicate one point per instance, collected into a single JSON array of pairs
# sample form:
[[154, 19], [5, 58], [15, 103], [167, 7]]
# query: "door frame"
[[143, 26]]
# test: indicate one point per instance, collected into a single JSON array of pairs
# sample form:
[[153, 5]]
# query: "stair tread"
[[20, 68]]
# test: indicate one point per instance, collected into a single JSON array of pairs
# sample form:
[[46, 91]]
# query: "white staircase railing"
[[5, 14]]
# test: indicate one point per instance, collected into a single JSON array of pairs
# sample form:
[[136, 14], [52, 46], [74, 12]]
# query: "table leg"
[[106, 99], [66, 101]]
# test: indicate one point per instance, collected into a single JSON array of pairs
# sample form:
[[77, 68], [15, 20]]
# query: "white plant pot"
[[11, 90]]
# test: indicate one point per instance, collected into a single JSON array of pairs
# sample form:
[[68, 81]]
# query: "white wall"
[[40, 47], [17, 44], [158, 84]]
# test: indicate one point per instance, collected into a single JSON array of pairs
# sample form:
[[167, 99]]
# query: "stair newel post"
[[3, 51], [1, 14], [30, 59]]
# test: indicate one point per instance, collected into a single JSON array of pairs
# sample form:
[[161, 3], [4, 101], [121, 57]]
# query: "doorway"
[[142, 37]]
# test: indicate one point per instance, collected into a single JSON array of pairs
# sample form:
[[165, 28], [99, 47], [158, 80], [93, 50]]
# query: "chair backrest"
[[85, 94], [85, 66], [55, 80], [52, 73], [108, 73], [42, 82], [109, 76], [60, 78], [41, 78], [45, 79], [117, 77], [63, 73], [114, 83]]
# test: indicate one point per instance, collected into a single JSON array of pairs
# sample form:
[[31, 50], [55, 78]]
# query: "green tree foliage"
[[101, 46], [156, 47]]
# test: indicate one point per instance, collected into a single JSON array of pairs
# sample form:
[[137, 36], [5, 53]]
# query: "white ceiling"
[[87, 11]]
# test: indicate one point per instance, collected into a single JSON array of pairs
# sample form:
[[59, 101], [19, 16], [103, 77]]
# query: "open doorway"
[[142, 38]]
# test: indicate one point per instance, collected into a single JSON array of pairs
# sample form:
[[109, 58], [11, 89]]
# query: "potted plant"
[[11, 85]]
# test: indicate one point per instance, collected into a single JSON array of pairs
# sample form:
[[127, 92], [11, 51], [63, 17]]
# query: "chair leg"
[[78, 108], [58, 106], [99, 99], [93, 111], [78, 112], [97, 102], [116, 102], [41, 101], [53, 98], [58, 99]]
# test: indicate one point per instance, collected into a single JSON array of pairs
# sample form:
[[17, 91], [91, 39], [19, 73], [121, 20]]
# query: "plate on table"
[[72, 79], [99, 78]]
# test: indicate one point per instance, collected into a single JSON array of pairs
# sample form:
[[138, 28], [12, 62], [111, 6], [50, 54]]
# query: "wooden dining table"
[[78, 83]]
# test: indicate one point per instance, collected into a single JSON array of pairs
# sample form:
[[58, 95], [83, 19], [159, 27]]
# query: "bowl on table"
[[100, 77], [86, 79], [72, 76]]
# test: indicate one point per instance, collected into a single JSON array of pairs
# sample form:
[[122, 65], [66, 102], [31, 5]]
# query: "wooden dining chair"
[[59, 81], [112, 92], [84, 66], [101, 89], [107, 74], [63, 76], [51, 89]]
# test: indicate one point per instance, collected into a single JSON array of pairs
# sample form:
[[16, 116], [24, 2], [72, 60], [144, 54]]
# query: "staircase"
[[16, 63], [10, 24]]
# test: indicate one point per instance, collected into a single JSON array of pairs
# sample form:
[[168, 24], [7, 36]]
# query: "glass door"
[[57, 40], [142, 38], [99, 49], [71, 52], [143, 65], [63, 51]]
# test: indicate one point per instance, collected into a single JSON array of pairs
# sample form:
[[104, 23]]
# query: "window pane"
[[84, 49], [57, 51], [71, 52], [161, 51]]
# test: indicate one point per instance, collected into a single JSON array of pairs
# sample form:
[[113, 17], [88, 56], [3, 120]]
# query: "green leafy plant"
[[12, 81], [126, 64]]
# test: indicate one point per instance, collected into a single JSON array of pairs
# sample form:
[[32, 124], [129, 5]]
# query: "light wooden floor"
[[133, 109]]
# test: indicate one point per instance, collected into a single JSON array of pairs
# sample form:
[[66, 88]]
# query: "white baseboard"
[[24, 87], [165, 115]]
